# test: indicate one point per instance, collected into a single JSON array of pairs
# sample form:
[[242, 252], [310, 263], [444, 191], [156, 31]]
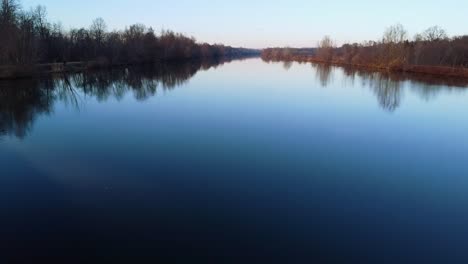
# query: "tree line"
[[27, 37], [395, 50]]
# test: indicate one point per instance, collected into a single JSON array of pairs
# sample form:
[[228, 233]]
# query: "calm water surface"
[[244, 162]]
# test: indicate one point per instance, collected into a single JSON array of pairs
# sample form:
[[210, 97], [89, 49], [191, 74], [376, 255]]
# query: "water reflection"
[[323, 73], [22, 101], [287, 65], [389, 87], [388, 90]]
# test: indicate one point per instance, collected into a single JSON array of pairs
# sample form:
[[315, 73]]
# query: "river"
[[238, 162]]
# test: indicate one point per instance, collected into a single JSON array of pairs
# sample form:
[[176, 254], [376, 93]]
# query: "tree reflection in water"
[[22, 101], [323, 73], [389, 87]]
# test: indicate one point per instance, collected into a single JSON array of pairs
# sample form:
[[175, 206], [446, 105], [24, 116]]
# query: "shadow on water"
[[23, 101]]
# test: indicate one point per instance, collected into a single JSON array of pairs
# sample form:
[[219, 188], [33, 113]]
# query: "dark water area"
[[234, 162]]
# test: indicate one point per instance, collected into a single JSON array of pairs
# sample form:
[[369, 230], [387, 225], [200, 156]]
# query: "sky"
[[262, 23]]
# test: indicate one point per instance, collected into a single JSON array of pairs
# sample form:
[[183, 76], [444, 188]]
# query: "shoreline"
[[440, 71], [13, 72], [32, 71]]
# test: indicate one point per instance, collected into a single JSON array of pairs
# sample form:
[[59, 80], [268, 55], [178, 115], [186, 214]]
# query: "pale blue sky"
[[262, 23]]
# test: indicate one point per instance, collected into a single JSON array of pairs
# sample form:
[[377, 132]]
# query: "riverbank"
[[441, 71], [28, 71], [31, 71]]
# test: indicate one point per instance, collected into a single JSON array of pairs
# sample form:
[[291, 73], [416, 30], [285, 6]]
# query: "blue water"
[[242, 162]]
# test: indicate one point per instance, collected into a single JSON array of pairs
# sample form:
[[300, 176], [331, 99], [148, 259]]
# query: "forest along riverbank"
[[430, 52], [30, 45]]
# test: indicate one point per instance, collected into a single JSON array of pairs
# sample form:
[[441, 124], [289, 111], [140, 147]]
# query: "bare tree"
[[8, 11], [434, 33], [39, 15], [393, 50], [325, 49], [395, 34], [98, 29], [8, 31]]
